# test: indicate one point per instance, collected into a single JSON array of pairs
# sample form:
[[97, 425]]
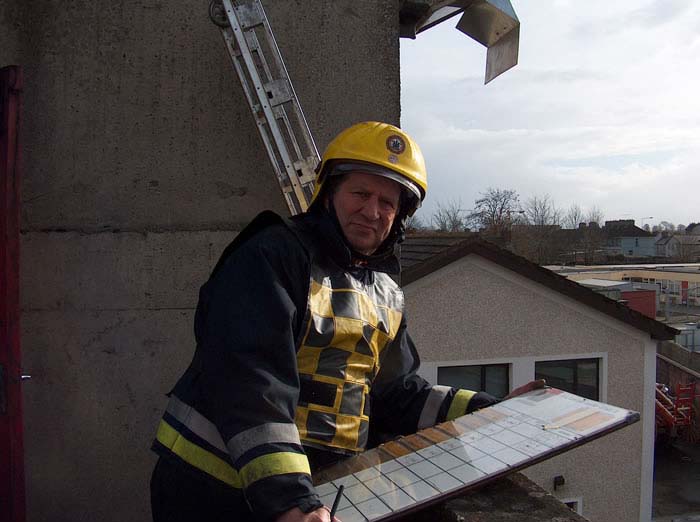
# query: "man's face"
[[366, 206]]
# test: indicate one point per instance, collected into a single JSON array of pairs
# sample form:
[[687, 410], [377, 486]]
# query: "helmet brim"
[[340, 168]]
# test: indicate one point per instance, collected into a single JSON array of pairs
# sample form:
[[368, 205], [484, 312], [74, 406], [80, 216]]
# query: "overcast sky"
[[603, 109]]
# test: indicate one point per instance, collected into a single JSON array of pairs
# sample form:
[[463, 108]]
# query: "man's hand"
[[532, 385], [322, 514]]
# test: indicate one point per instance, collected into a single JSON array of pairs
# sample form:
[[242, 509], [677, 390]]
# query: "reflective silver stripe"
[[428, 417], [195, 422], [264, 434]]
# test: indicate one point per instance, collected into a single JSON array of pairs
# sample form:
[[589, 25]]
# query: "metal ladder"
[[271, 97]]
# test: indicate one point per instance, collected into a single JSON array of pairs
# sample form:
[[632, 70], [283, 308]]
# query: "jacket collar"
[[329, 237]]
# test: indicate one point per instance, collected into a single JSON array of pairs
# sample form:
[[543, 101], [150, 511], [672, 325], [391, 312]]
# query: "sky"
[[602, 110]]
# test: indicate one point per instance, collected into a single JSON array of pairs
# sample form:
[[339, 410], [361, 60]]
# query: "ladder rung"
[[278, 92], [249, 15]]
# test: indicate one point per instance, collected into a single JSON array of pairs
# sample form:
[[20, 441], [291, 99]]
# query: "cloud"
[[605, 117]]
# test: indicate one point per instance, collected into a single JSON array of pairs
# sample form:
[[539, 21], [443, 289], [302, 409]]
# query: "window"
[[491, 378], [574, 505], [579, 376]]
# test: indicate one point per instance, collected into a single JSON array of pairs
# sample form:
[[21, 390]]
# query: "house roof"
[[602, 283], [688, 240], [624, 228], [422, 246], [423, 255]]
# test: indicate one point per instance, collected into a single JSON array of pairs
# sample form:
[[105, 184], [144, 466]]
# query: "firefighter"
[[302, 348]]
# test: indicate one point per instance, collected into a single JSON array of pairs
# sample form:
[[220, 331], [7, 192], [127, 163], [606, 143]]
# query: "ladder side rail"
[[260, 122], [306, 132], [283, 101], [277, 102], [261, 94]]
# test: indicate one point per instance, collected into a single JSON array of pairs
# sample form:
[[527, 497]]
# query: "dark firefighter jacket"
[[296, 348]]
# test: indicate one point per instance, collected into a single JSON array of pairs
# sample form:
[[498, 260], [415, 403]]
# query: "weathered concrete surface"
[[10, 27], [117, 271], [676, 482], [141, 163], [97, 390], [138, 120], [681, 355]]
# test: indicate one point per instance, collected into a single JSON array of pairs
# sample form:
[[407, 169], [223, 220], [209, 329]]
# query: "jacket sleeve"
[[403, 402], [249, 317]]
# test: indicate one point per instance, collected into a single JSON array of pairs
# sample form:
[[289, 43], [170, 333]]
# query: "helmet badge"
[[395, 144]]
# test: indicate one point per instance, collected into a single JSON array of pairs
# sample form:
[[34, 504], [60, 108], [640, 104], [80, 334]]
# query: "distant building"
[[693, 229], [662, 245], [623, 237], [674, 283], [684, 247]]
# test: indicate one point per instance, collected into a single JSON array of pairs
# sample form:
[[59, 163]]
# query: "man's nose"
[[371, 208]]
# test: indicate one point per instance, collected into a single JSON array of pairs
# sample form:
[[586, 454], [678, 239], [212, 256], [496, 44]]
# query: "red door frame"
[[11, 430]]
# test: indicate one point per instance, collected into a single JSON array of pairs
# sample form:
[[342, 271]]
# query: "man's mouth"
[[364, 227]]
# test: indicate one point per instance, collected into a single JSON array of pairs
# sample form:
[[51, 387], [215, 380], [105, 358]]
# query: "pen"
[[337, 501]]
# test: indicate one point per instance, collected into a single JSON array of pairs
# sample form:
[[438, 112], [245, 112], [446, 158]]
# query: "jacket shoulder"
[[266, 228]]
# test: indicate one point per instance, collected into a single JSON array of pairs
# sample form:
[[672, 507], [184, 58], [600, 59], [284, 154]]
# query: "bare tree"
[[667, 226], [448, 218], [646, 227], [573, 217], [680, 229], [537, 237], [415, 224], [585, 242], [496, 210], [540, 211], [594, 215]]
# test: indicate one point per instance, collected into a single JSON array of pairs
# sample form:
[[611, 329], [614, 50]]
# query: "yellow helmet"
[[379, 148]]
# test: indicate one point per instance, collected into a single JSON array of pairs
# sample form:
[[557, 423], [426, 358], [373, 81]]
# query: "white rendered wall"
[[476, 312]]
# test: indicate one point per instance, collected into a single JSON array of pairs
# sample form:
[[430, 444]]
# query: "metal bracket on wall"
[[271, 97]]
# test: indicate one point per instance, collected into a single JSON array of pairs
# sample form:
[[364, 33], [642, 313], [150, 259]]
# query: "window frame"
[[482, 374], [575, 361]]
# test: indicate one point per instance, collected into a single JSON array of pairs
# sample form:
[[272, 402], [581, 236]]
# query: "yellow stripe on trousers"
[[196, 456], [459, 404]]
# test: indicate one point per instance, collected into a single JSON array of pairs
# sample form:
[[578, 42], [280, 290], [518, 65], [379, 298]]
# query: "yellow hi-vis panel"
[[300, 416], [347, 431], [320, 299], [307, 360], [358, 368], [196, 456], [274, 464], [348, 324], [347, 333], [459, 404], [368, 310]]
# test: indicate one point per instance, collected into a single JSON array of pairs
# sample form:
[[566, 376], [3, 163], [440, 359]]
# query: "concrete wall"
[[474, 311], [681, 355], [141, 163]]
